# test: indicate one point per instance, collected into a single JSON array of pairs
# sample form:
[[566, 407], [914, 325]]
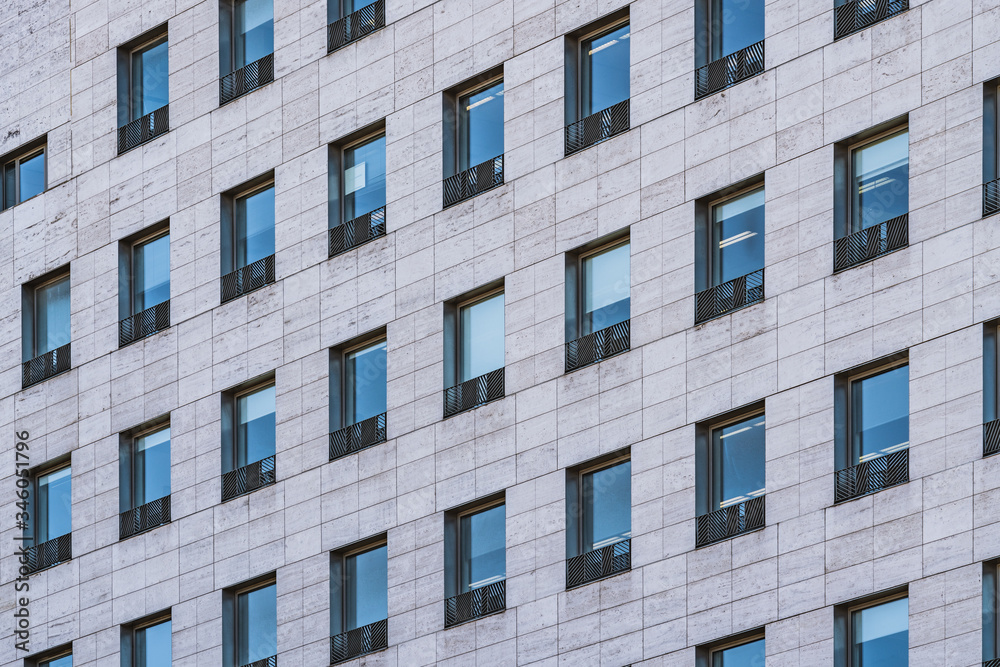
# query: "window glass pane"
[[367, 592], [738, 462], [32, 176], [355, 5], [149, 79], [605, 70], [880, 185], [607, 500], [152, 645], [254, 227], [745, 655], [482, 338], [738, 237], [736, 24], [483, 540], [480, 126], [9, 184], [54, 505], [52, 326], [152, 467], [255, 426], [366, 383], [254, 30], [606, 288], [65, 661], [880, 422], [151, 273], [880, 635], [257, 627], [364, 178]]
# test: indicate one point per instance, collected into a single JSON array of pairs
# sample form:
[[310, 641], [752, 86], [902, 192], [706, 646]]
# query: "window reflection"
[[482, 332], [153, 645], [607, 506], [744, 655], [55, 500], [482, 538], [480, 126], [734, 25], [151, 471], [64, 661], [52, 317], [364, 178], [151, 273], [606, 288], [254, 30], [255, 426], [880, 635], [738, 237], [254, 227], [738, 462], [365, 383], [880, 419], [880, 181], [257, 624], [367, 593], [149, 79], [605, 70]]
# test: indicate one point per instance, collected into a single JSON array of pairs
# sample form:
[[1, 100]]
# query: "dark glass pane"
[[355, 5], [254, 30], [153, 647], [735, 25], [367, 588], [32, 177], [366, 383], [607, 501], [605, 70], [738, 237], [55, 500], [65, 661], [52, 323], [255, 426], [9, 184], [880, 635], [152, 467], [880, 181], [482, 338], [257, 626], [151, 273], [880, 420], [364, 178], [744, 655], [606, 288], [483, 543], [738, 462], [149, 79], [480, 126], [254, 227]]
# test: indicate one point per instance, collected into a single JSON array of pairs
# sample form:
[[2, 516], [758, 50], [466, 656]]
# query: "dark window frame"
[[453, 540], [129, 656], [13, 160], [574, 82], [705, 654], [230, 614], [29, 303], [339, 602], [705, 465], [242, 393], [229, 205], [34, 493], [339, 402], [708, 30], [453, 328], [126, 461], [991, 132], [583, 66], [126, 52], [228, 55], [991, 371], [338, 175], [126, 265], [575, 496], [44, 657], [991, 610], [576, 291], [451, 113], [843, 616], [844, 399], [705, 252]]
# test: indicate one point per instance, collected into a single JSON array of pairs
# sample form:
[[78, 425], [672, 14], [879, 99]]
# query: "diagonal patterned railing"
[[263, 662], [870, 243], [247, 479], [144, 517], [991, 197], [248, 278], [473, 393], [729, 70], [857, 15], [730, 521], [473, 181], [47, 554], [872, 475], [45, 366], [360, 641], [597, 127], [991, 438], [598, 346], [992, 663], [246, 79], [729, 296], [358, 231], [144, 323], [355, 25], [475, 604], [139, 131], [356, 437], [599, 564]]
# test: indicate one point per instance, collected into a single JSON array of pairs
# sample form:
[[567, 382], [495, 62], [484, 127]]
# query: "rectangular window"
[[750, 654], [148, 644], [364, 177], [253, 31], [482, 550], [23, 175], [144, 474], [991, 388], [480, 125], [991, 148], [51, 316], [255, 425], [879, 635], [359, 600], [481, 326], [737, 462], [606, 288], [604, 63], [256, 624], [737, 236], [148, 78], [880, 414], [367, 597], [253, 226], [357, 396], [879, 180], [598, 519], [151, 467], [365, 382], [607, 506], [150, 272], [734, 25], [991, 612], [53, 504], [63, 659]]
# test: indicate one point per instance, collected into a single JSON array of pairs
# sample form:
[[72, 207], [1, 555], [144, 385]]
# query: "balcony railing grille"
[[597, 127], [144, 323], [246, 79], [355, 25], [870, 243], [475, 604], [992, 663], [360, 641], [50, 553], [857, 15], [599, 563], [991, 438], [144, 517], [729, 70], [358, 231], [356, 437], [598, 346], [248, 278], [45, 366], [264, 662], [473, 393], [872, 475], [139, 131], [729, 296], [473, 181], [991, 197], [722, 524], [247, 479]]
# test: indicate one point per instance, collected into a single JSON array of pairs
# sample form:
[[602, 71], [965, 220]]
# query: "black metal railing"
[[263, 662], [360, 641], [860, 14], [872, 475], [473, 181], [475, 604], [246, 79], [597, 127], [45, 366], [875, 241], [139, 131], [248, 278], [144, 323], [599, 563], [356, 437], [729, 296], [729, 70], [47, 554], [473, 393], [992, 663], [144, 517], [736, 519], [355, 25], [247, 479], [353, 233], [598, 346], [991, 438], [991, 197]]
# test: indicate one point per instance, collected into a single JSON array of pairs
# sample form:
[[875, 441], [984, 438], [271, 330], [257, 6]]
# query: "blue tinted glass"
[[150, 89], [32, 176], [152, 467], [738, 237], [366, 383], [258, 624], [254, 227], [55, 501], [745, 655], [482, 338], [880, 635], [880, 422], [52, 324], [254, 30], [256, 426], [480, 126], [153, 647], [607, 498], [881, 181], [736, 24], [355, 5], [367, 588], [151, 279], [738, 462], [483, 546], [605, 70], [65, 661], [606, 288], [364, 178]]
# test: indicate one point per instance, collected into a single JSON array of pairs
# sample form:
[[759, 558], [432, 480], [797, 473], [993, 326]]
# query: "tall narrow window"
[[730, 48], [750, 654], [60, 657], [148, 89], [991, 613], [145, 482], [991, 388], [359, 597], [880, 635], [598, 83], [477, 164], [603, 529], [479, 578], [146, 310], [247, 53], [23, 175], [143, 90], [597, 303], [250, 463], [248, 264], [479, 359], [357, 215], [147, 643], [358, 376], [50, 512], [46, 329], [256, 624], [254, 30], [991, 148], [350, 20]]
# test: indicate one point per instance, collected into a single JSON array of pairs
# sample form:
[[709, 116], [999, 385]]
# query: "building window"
[[475, 563], [247, 47], [599, 520], [475, 138], [357, 396], [872, 632], [143, 90], [144, 305], [147, 643], [991, 148], [46, 328], [248, 241], [250, 624], [474, 368], [991, 613], [249, 463], [598, 303], [745, 650], [731, 267], [731, 47], [350, 20], [23, 174], [851, 16], [991, 390], [49, 509], [144, 487], [873, 405], [597, 84], [359, 600], [357, 192], [58, 657]]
